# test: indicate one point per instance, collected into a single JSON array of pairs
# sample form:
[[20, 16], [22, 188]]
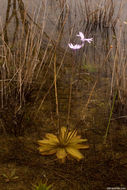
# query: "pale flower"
[[125, 22], [83, 39], [66, 143], [76, 46]]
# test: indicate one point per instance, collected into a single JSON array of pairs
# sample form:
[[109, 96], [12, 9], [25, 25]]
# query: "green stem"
[[70, 92], [111, 112]]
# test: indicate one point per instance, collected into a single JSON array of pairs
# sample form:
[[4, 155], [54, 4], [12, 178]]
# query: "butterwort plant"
[[66, 144], [83, 39]]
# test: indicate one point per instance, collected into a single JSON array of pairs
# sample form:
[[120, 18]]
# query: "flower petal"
[[74, 153], [81, 35], [76, 46], [89, 40]]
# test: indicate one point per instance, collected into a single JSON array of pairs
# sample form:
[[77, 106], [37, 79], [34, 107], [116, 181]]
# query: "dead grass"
[[25, 64], [119, 79], [101, 14]]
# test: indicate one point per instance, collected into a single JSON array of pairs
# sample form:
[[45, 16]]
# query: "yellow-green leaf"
[[77, 139], [74, 152], [61, 153], [48, 152], [81, 146], [51, 137], [63, 131], [46, 142]]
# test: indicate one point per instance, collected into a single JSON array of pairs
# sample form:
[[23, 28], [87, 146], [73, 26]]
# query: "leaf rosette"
[[67, 143]]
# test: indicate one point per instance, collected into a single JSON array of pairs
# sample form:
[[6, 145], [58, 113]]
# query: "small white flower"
[[83, 39], [76, 46]]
